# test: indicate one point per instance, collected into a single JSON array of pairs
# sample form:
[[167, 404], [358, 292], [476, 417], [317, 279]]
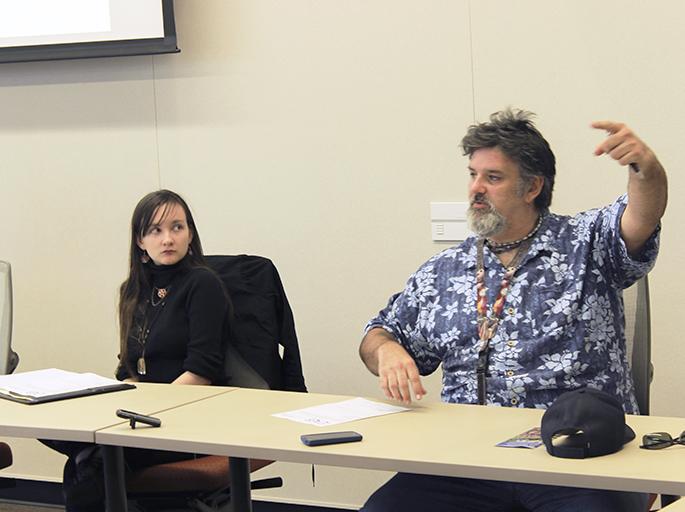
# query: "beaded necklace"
[[487, 324], [500, 247]]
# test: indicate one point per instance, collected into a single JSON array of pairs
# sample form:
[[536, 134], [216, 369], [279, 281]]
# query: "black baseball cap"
[[592, 421]]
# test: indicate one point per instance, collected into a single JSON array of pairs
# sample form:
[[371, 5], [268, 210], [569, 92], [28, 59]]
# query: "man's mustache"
[[480, 198]]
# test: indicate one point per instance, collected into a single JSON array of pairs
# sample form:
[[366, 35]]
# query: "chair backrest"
[[239, 373], [8, 358], [638, 339], [263, 327]]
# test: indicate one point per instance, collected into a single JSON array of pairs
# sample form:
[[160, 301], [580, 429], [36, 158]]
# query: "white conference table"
[[78, 419], [440, 439]]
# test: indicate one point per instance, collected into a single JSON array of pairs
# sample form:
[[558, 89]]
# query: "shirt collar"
[[544, 241]]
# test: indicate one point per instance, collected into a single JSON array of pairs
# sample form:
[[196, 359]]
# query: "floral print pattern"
[[563, 320]]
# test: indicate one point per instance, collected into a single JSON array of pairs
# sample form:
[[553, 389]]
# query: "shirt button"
[[510, 373], [510, 311], [514, 401], [511, 343]]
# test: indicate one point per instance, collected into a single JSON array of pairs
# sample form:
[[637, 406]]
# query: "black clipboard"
[[32, 400]]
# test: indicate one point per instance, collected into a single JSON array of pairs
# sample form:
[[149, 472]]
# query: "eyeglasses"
[[659, 440]]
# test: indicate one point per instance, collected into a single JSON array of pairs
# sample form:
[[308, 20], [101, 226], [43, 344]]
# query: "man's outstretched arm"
[[647, 184]]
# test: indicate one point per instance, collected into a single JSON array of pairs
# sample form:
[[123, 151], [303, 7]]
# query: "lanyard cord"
[[487, 324]]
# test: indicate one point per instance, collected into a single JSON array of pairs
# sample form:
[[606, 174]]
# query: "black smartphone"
[[134, 416], [347, 436]]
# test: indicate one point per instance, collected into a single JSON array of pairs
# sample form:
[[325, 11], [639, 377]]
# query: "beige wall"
[[316, 132]]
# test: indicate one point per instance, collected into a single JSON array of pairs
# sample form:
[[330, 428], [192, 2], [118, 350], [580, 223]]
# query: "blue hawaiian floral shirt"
[[562, 326]]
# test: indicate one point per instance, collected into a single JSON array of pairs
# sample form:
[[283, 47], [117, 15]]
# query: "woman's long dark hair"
[[139, 273]]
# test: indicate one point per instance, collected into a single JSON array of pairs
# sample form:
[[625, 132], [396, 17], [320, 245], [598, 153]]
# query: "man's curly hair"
[[513, 132]]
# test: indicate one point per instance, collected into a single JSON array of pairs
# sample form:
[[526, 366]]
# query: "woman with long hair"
[[173, 310], [174, 321]]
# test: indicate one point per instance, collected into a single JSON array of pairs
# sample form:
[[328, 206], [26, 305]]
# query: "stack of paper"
[[52, 384]]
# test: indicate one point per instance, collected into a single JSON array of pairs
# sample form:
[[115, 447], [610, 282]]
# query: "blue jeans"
[[410, 492]]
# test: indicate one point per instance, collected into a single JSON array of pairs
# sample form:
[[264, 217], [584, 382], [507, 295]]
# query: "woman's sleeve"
[[121, 371], [207, 308]]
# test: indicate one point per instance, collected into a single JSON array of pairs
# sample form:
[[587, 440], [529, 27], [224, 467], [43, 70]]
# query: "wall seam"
[[156, 121], [473, 74]]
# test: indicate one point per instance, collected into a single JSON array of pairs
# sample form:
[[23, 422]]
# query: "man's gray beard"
[[485, 224]]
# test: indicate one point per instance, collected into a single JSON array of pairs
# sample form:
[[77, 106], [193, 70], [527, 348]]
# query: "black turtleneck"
[[188, 328]]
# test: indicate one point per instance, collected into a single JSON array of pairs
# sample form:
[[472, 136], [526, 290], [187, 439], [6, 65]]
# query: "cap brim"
[[628, 435]]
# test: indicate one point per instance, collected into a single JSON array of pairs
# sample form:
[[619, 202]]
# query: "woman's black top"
[[188, 329]]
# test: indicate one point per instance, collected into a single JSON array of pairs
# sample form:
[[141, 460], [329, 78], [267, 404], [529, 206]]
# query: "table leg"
[[241, 501], [115, 485]]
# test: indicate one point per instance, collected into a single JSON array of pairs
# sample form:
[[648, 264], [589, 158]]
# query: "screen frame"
[[95, 49]]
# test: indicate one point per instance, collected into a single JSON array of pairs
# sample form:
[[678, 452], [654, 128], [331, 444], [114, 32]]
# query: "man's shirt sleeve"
[[402, 318], [624, 268]]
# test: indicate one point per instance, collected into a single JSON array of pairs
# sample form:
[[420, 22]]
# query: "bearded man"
[[526, 309]]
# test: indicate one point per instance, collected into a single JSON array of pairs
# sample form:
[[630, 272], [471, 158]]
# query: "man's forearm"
[[368, 350], [647, 197], [647, 184]]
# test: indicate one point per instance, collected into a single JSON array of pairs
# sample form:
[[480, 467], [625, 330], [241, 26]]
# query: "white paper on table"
[[340, 412], [51, 381]]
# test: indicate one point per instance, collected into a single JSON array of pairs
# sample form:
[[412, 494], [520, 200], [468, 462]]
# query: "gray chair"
[[639, 344], [8, 358], [638, 340]]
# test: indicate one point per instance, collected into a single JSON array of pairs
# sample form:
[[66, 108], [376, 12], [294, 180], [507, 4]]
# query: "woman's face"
[[168, 237]]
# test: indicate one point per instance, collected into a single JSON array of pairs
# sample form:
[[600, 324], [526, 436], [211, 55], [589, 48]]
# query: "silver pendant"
[[141, 366]]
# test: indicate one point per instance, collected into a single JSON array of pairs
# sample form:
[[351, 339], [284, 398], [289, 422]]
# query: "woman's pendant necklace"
[[141, 366], [161, 294]]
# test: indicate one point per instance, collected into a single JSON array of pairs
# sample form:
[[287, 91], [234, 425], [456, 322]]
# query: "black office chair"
[[639, 345], [263, 321], [263, 326]]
